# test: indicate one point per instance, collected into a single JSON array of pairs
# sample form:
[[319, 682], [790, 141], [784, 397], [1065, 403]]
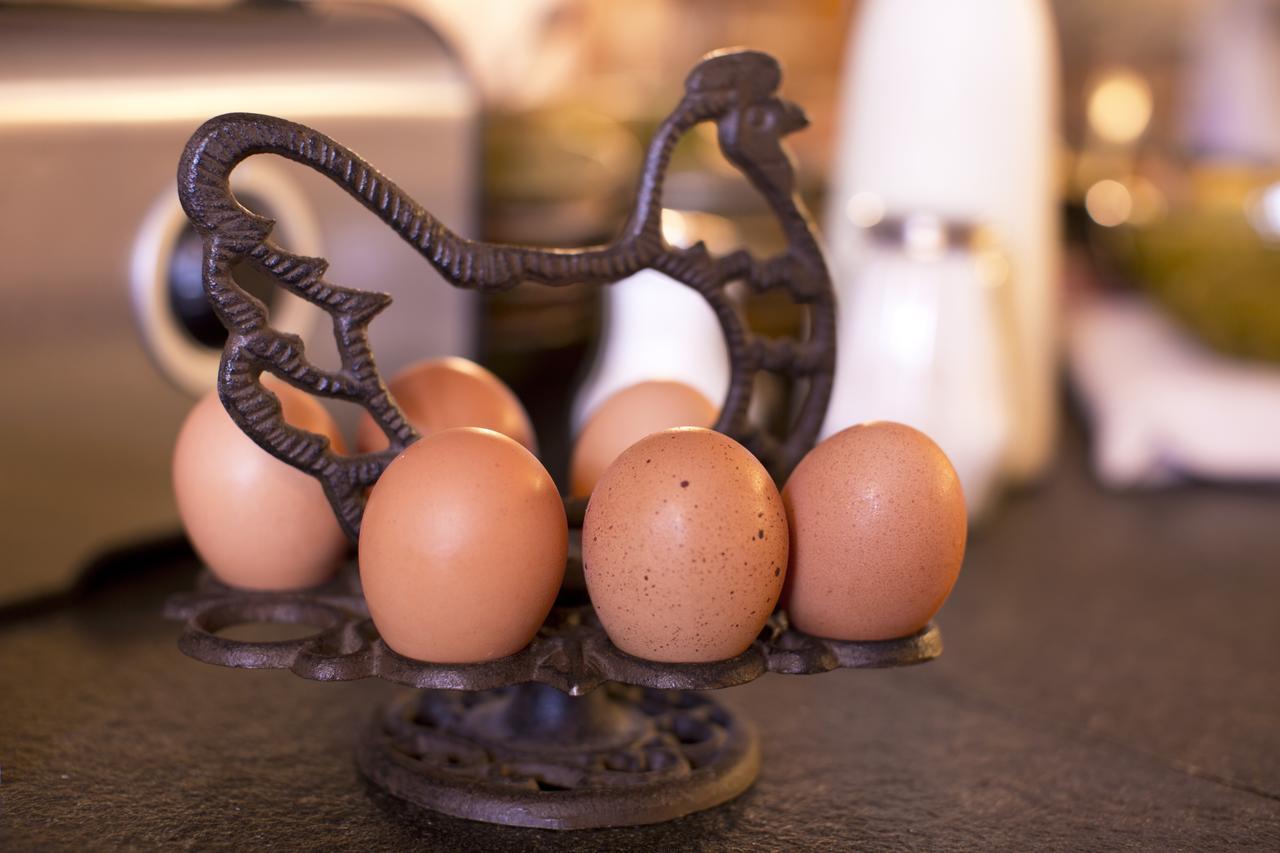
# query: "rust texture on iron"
[[737, 90]]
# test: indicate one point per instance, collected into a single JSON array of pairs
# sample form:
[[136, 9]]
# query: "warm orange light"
[[1108, 203], [1119, 106]]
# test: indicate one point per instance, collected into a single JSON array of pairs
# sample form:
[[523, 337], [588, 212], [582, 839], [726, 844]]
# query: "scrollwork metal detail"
[[528, 757], [737, 90]]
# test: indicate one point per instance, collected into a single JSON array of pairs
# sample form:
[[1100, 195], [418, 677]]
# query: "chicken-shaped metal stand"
[[735, 89], [570, 732]]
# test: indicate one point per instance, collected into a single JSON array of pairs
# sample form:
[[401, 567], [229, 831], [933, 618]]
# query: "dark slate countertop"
[[1110, 681]]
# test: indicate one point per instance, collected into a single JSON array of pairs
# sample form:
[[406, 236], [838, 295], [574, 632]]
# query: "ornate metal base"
[[530, 755]]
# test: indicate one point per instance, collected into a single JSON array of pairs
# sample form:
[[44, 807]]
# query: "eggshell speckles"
[[462, 548], [255, 521], [878, 529], [685, 547], [444, 393], [628, 416]]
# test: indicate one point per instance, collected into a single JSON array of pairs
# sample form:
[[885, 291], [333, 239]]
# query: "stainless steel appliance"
[[104, 333]]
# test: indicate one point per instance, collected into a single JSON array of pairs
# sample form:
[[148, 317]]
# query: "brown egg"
[[685, 547], [628, 416], [255, 521], [444, 393], [878, 528], [462, 548]]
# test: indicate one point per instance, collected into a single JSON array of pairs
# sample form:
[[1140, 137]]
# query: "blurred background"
[[1017, 198]]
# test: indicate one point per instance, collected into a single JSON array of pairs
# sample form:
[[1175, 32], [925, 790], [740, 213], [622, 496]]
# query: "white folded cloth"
[[1163, 404]]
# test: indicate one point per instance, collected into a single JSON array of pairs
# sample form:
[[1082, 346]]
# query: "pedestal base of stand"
[[532, 756]]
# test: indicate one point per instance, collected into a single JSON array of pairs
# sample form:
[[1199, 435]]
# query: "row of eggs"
[[688, 547]]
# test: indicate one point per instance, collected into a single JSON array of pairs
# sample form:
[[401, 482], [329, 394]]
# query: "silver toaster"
[[105, 336]]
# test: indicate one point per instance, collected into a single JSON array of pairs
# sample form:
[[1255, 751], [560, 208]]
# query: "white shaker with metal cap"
[[949, 107]]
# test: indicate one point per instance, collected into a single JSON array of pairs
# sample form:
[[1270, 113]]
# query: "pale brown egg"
[[444, 393], [628, 416], [685, 547], [878, 529], [462, 548], [255, 521]]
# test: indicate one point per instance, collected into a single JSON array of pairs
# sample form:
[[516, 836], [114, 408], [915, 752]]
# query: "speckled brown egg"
[[878, 529], [684, 547], [462, 548], [443, 393], [255, 521], [628, 416]]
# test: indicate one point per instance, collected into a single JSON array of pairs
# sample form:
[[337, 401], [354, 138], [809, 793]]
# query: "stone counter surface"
[[1111, 680]]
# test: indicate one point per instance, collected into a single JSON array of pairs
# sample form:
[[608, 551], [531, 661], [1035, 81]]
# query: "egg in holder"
[[570, 732]]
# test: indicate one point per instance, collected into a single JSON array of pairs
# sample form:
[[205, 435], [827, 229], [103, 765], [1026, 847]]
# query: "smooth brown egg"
[[255, 521], [628, 416], [878, 529], [462, 548], [444, 393], [684, 547]]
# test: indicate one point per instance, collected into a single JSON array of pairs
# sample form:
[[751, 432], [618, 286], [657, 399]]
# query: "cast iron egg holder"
[[570, 732]]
